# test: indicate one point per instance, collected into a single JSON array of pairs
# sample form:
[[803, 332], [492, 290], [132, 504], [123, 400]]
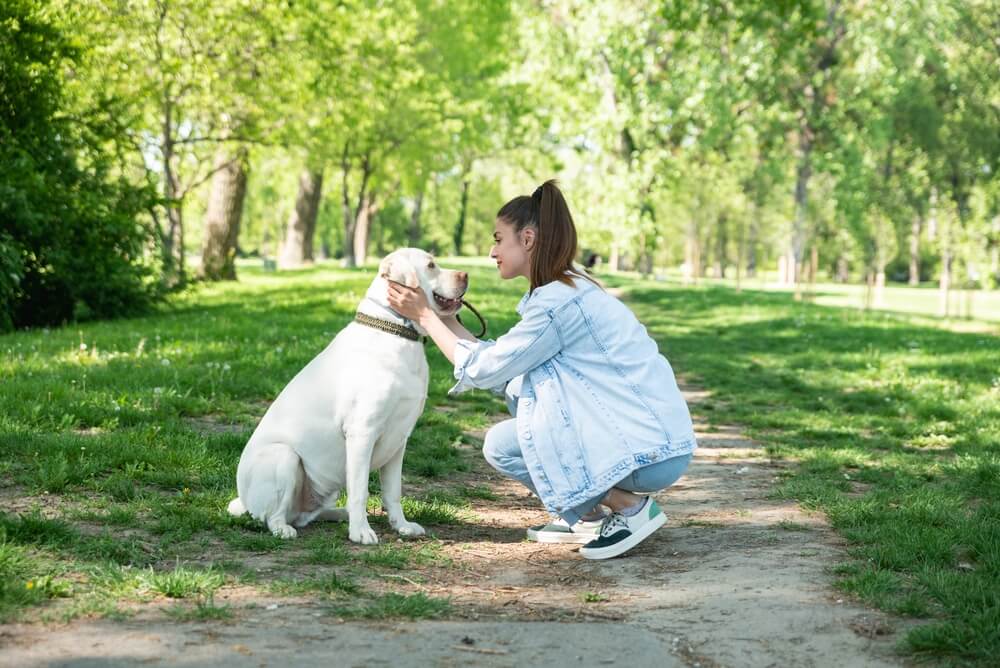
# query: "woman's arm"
[[486, 364], [458, 328]]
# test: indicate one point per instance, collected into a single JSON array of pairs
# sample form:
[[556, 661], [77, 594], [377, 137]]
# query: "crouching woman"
[[599, 419]]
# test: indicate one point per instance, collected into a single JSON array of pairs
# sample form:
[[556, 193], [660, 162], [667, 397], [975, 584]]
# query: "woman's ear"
[[400, 271], [528, 238]]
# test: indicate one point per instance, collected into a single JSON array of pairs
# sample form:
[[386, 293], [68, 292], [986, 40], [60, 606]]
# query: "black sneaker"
[[620, 534]]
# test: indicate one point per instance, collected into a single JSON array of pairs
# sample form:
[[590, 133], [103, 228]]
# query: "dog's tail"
[[236, 507]]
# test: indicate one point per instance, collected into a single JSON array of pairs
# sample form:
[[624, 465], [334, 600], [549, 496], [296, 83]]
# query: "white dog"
[[351, 409]]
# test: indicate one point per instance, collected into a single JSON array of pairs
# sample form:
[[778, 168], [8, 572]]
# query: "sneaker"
[[620, 533], [558, 531]]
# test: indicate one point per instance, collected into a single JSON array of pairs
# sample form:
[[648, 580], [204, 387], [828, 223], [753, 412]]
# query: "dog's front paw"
[[364, 535], [409, 529], [284, 531]]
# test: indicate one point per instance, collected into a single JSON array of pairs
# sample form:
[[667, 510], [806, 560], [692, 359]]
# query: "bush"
[[71, 241]]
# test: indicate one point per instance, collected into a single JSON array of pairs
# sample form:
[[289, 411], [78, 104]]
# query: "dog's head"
[[417, 269]]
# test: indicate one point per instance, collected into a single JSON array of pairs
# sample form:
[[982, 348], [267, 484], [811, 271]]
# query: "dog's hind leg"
[[326, 511], [275, 481]]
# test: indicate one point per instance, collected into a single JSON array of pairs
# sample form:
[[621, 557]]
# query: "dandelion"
[[278, 350], [157, 390], [186, 490], [29, 584], [165, 362], [225, 367], [83, 346]]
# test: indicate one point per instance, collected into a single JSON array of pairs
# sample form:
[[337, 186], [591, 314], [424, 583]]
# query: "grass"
[[204, 609], [183, 582], [413, 606], [895, 425], [126, 436]]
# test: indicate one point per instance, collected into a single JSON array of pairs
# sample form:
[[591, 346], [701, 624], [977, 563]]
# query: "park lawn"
[[896, 430], [121, 440]]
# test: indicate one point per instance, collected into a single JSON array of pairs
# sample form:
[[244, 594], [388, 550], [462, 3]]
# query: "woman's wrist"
[[427, 316]]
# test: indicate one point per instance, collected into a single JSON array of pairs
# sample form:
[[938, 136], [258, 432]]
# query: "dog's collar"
[[387, 326]]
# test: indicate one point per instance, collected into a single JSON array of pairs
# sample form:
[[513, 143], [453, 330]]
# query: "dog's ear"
[[400, 270]]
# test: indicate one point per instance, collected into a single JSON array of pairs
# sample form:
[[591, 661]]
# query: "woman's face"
[[512, 250]]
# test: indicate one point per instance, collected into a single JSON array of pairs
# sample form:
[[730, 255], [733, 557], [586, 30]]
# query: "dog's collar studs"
[[387, 326]]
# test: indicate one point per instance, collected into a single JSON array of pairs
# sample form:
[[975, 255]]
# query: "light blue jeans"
[[501, 450]]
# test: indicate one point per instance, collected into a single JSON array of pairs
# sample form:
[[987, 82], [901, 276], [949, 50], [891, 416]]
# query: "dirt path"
[[734, 579]]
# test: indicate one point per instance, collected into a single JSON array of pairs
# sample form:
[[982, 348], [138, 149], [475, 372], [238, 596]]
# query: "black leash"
[[482, 322]]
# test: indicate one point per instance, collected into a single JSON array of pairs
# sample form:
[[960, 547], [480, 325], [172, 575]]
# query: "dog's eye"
[[430, 265]]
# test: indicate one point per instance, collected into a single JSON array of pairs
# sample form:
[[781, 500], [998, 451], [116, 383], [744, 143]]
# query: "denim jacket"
[[595, 400]]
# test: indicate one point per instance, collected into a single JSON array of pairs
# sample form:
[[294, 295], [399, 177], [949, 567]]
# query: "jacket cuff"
[[465, 352]]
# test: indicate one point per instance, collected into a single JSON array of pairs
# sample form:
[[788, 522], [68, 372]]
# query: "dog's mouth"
[[447, 305]]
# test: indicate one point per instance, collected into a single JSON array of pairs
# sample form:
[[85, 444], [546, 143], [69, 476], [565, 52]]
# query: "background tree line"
[[144, 142]]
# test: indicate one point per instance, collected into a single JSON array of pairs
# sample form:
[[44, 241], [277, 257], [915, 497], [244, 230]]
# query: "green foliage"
[[71, 244]]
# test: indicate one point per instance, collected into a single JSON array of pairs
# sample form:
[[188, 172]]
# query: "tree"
[[71, 236]]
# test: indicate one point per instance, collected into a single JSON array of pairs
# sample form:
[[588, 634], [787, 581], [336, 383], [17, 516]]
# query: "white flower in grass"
[[165, 362], [83, 346], [157, 391], [278, 350], [225, 367]]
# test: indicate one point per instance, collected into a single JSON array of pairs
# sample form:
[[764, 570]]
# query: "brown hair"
[[555, 235]]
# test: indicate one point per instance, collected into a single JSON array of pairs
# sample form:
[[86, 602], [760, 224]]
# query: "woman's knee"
[[657, 476], [500, 443]]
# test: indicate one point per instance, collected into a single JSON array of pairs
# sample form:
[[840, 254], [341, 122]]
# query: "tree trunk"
[[361, 228], [414, 233], [843, 269], [173, 240], [613, 258], [944, 285], [751, 241], [813, 269], [297, 247], [460, 225], [915, 227], [645, 257], [880, 285], [348, 215], [352, 216], [802, 174], [869, 287], [720, 248], [692, 254], [222, 220]]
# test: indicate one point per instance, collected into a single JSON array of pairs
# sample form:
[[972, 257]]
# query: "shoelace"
[[612, 523]]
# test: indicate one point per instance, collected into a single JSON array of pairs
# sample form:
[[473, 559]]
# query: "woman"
[[599, 416]]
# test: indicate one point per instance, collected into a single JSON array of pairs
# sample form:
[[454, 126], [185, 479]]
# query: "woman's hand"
[[411, 303]]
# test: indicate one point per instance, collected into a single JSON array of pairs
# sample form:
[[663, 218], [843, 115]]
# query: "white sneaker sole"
[[624, 546], [552, 537]]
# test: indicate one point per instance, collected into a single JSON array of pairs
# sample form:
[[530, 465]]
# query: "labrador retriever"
[[350, 410]]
